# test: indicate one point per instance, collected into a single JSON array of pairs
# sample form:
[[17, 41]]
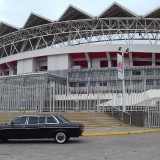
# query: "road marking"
[[120, 133]]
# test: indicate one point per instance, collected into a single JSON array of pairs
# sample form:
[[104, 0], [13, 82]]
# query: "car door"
[[52, 124], [33, 127], [18, 128], [37, 127]]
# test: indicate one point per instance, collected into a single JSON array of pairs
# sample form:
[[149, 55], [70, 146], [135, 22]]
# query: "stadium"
[[71, 63]]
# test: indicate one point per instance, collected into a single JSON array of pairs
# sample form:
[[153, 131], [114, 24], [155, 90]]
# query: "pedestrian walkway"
[[118, 131]]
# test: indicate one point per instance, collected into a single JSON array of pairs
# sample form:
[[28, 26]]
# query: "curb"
[[120, 133]]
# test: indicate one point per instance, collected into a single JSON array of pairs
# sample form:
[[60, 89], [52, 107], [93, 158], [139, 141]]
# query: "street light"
[[123, 77]]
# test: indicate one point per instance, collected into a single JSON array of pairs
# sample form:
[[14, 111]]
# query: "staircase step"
[[89, 119]]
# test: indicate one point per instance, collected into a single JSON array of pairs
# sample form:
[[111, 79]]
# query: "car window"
[[64, 119], [33, 120], [41, 119], [51, 119], [20, 120]]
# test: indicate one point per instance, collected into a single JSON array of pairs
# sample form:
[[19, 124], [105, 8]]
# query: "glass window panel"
[[33, 120], [41, 119], [50, 119], [20, 120]]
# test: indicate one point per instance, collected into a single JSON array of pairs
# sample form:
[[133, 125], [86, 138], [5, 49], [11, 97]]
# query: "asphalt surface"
[[122, 147]]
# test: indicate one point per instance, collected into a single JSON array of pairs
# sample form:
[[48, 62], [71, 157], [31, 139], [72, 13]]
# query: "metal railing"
[[123, 112]]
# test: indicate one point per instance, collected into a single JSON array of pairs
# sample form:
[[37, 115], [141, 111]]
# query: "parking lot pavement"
[[123, 147]]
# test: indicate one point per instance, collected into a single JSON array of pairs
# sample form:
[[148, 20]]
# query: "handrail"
[[130, 120]]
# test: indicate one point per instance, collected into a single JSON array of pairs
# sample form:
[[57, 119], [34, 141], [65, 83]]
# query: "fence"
[[51, 97]]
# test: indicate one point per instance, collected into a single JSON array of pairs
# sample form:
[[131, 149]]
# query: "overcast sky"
[[16, 12]]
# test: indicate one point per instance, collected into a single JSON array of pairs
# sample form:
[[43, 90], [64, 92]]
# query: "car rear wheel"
[[61, 137]]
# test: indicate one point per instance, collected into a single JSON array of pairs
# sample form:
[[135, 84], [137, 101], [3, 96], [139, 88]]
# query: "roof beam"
[[24, 46], [11, 68]]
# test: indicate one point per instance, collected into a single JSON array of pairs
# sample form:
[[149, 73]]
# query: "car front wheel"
[[60, 137]]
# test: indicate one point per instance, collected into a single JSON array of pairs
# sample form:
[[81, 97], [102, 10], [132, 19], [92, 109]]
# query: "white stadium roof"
[[6, 28], [35, 20], [116, 10], [153, 14], [74, 13]]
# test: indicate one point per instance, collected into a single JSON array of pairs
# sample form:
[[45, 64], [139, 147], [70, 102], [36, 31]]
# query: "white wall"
[[11, 72], [36, 66], [58, 62], [25, 66], [81, 49], [95, 63], [153, 93], [126, 62]]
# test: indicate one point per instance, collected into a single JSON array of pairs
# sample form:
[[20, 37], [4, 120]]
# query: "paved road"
[[124, 147]]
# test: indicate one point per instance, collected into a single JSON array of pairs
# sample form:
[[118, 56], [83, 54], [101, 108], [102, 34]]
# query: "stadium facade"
[[81, 50]]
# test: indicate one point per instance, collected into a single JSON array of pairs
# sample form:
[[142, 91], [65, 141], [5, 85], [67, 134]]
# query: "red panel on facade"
[[157, 55], [77, 55], [142, 63], [97, 55], [158, 63], [82, 63], [41, 58], [113, 54], [4, 66], [125, 54], [104, 63], [14, 63], [114, 63], [141, 55]]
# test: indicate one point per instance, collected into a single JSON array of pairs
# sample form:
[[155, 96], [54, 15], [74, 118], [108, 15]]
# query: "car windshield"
[[64, 119]]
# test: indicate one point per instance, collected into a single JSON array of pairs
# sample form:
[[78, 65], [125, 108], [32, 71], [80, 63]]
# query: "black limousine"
[[41, 126]]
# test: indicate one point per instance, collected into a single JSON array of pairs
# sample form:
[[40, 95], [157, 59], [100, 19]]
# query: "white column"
[[153, 59], [109, 59], [88, 60], [130, 59]]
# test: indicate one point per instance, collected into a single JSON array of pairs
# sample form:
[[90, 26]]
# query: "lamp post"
[[123, 77]]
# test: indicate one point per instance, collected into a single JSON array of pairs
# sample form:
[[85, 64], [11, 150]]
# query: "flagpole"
[[123, 78]]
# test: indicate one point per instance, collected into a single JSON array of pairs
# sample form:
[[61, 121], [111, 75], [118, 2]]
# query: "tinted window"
[[63, 119], [20, 120], [51, 120], [41, 119], [33, 120]]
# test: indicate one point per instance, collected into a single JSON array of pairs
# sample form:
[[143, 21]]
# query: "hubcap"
[[60, 137]]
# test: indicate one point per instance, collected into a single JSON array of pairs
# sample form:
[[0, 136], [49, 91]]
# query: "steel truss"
[[76, 32]]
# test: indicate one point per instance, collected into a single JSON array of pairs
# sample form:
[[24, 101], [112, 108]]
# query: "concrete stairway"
[[93, 119], [89, 119]]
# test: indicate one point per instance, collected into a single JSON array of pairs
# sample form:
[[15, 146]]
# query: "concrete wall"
[[58, 62], [95, 63], [25, 66], [137, 118], [81, 49]]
